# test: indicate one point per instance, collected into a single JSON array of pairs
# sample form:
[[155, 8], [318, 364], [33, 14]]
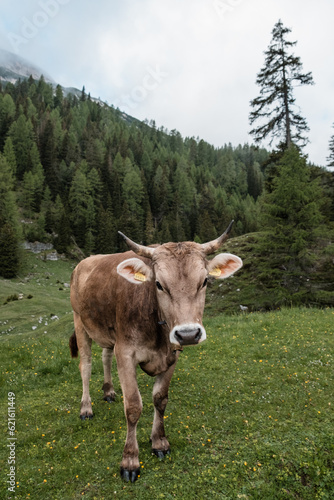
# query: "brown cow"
[[144, 306]]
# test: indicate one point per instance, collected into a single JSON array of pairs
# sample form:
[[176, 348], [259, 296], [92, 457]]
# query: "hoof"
[[109, 399], [160, 453], [86, 417], [130, 475]]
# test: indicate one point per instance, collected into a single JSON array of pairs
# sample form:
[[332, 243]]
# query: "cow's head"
[[180, 272]]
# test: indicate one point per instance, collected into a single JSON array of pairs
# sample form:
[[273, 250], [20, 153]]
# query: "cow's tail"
[[73, 345]]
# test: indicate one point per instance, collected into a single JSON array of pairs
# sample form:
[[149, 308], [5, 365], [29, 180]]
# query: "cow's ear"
[[223, 265], [135, 271]]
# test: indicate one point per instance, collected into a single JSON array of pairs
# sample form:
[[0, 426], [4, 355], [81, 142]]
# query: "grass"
[[250, 413]]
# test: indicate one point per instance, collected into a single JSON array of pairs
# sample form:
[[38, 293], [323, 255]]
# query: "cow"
[[144, 306]]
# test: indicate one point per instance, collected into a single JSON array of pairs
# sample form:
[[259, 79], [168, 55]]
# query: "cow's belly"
[[103, 336]]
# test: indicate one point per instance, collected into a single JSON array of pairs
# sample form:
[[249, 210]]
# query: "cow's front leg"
[[160, 444], [130, 467]]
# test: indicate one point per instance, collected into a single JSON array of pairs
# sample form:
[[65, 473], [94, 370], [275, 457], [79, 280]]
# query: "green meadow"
[[250, 413]]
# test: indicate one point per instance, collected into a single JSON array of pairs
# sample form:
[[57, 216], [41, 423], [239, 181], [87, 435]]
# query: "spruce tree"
[[48, 157], [83, 95], [10, 231], [164, 235], [254, 180], [47, 209], [61, 226], [9, 154], [291, 212], [330, 158], [28, 194], [9, 252], [106, 239], [161, 193], [133, 192], [149, 227], [274, 109], [63, 238], [90, 226], [206, 229], [78, 202], [58, 98], [21, 133], [7, 115]]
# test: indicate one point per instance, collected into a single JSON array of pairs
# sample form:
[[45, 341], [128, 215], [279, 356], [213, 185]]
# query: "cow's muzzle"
[[187, 334]]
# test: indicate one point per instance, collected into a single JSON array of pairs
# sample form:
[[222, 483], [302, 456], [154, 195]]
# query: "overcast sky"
[[190, 65]]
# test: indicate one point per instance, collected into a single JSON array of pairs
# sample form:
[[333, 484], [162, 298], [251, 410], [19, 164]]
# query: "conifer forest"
[[74, 171], [81, 171]]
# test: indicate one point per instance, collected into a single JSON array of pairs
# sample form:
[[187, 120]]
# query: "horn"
[[212, 246], [138, 249]]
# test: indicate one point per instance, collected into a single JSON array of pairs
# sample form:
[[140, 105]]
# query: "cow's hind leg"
[[85, 350], [108, 388], [160, 444]]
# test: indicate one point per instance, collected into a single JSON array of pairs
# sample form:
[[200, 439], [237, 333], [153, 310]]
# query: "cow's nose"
[[187, 334]]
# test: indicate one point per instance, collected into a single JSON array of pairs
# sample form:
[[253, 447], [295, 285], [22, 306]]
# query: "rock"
[[37, 246]]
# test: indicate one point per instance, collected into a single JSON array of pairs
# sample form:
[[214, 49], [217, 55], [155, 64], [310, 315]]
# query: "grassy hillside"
[[265, 284], [44, 286], [250, 412]]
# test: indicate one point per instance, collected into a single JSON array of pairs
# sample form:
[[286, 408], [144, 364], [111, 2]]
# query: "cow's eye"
[[205, 282], [159, 287]]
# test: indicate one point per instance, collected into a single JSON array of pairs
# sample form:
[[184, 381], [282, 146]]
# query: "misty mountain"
[[14, 68]]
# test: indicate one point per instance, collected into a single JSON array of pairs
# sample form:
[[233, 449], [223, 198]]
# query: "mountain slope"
[[14, 67]]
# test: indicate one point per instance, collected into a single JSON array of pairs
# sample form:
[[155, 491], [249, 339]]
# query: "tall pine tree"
[[274, 109]]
